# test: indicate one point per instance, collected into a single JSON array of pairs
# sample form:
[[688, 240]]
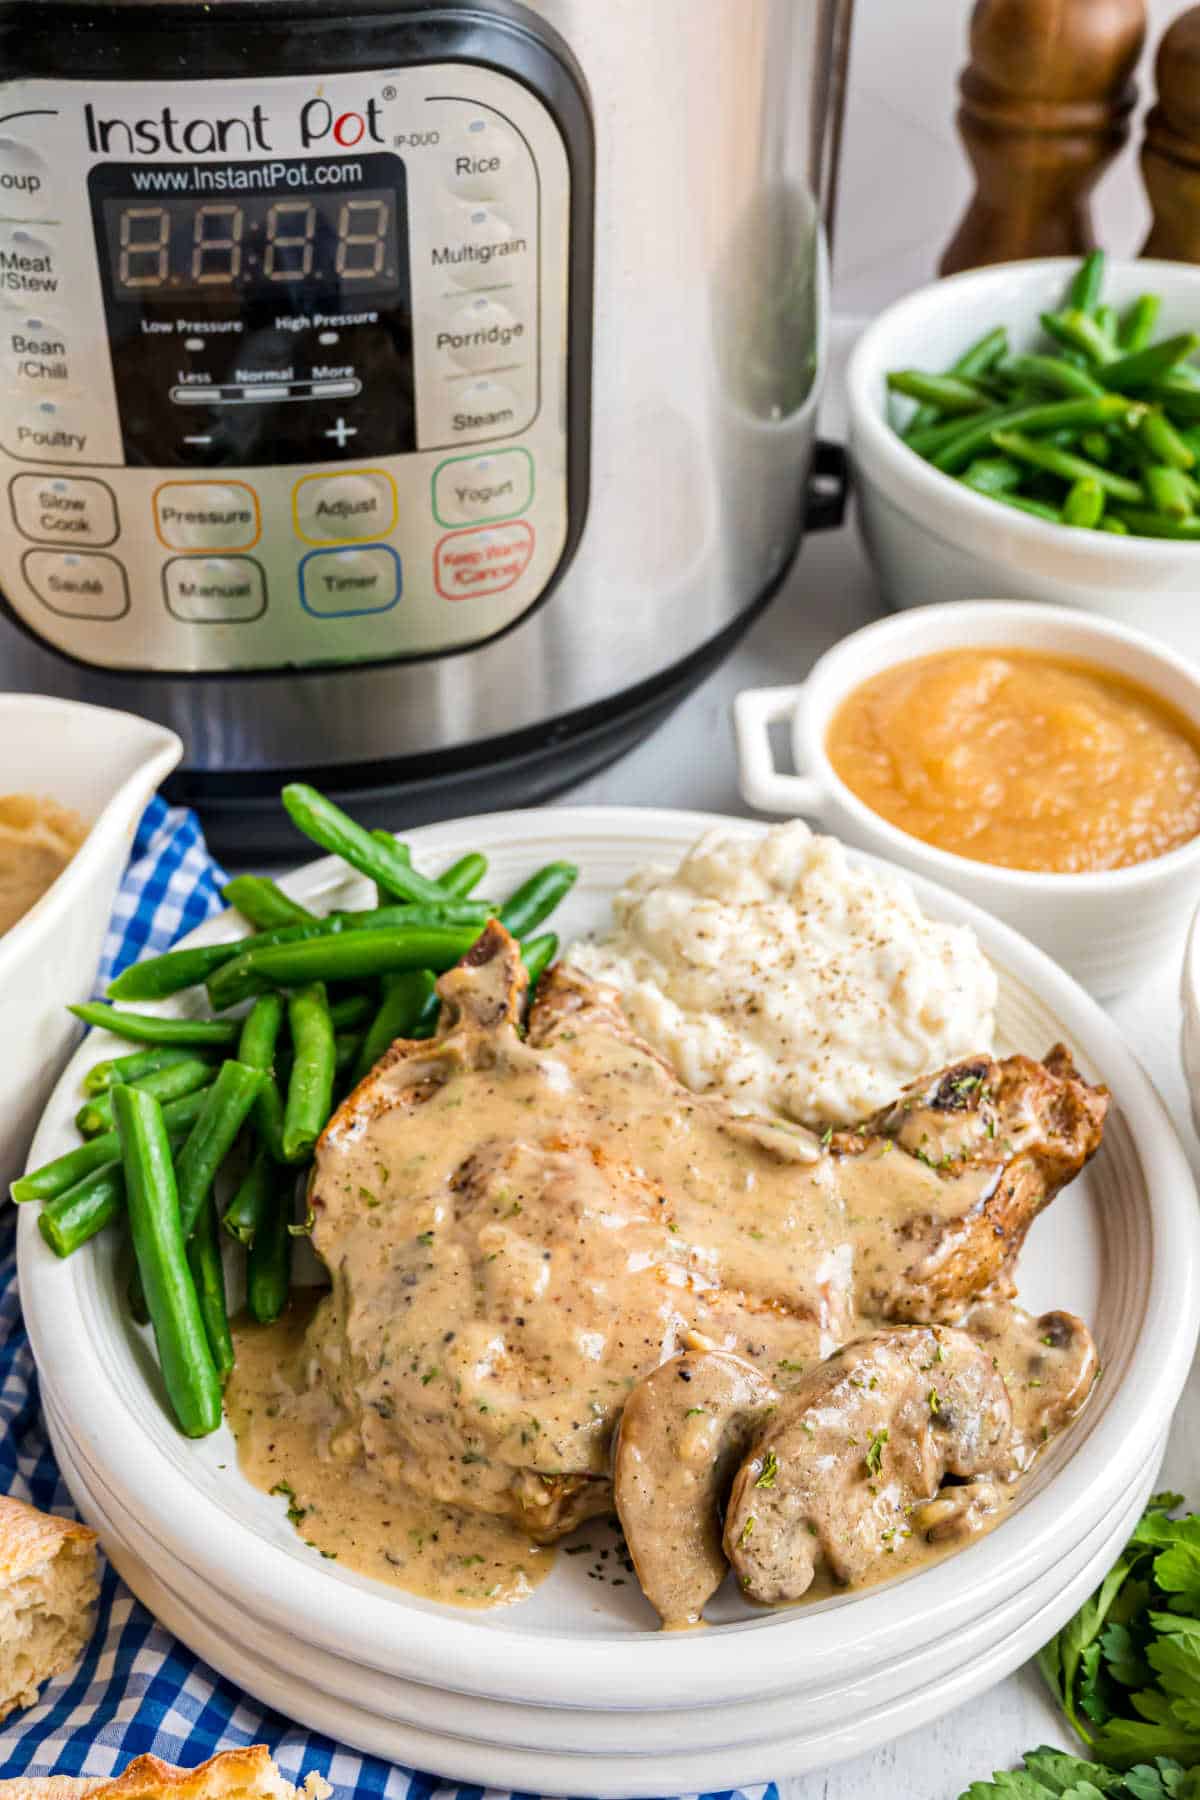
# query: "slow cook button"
[[341, 584], [484, 561], [77, 587], [482, 333], [469, 490], [63, 509], [206, 515], [215, 590], [484, 160], [330, 509]]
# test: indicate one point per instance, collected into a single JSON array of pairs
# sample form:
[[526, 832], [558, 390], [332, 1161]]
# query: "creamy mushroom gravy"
[[38, 838], [499, 1288]]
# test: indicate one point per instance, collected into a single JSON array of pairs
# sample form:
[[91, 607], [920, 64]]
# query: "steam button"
[[77, 587]]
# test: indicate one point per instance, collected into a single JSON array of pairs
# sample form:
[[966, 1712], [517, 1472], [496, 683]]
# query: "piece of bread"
[[48, 1589], [247, 1774]]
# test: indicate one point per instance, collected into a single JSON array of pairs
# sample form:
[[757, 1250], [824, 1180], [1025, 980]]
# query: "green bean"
[[930, 441], [385, 895], [310, 1089], [1141, 368], [976, 360], [1084, 292], [419, 917], [170, 1083], [1164, 442], [244, 1213], [204, 1262], [351, 1010], [1106, 319], [226, 1104], [538, 954], [54, 1178], [1050, 372], [948, 393], [1035, 508], [350, 957], [1071, 468], [256, 1048], [1103, 409], [83, 1210], [405, 997], [326, 824], [537, 898], [1079, 331], [262, 903], [1152, 524], [1117, 527], [159, 1242], [268, 1266], [149, 1028], [465, 875], [1170, 492], [175, 970], [345, 1049], [1084, 504], [101, 1076], [1180, 397], [1137, 327], [1095, 445], [993, 475]]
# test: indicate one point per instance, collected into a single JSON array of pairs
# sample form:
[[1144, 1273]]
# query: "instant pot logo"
[[318, 122]]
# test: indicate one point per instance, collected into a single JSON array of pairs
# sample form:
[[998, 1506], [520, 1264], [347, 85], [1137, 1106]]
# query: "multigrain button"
[[481, 333], [77, 586], [215, 590], [206, 515], [63, 509], [478, 246], [336, 509], [340, 584], [471, 490]]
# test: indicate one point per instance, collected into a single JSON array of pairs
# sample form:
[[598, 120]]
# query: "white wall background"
[[905, 178]]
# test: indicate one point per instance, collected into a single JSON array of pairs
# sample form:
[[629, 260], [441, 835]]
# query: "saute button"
[[469, 490], [340, 584], [63, 509], [215, 590], [78, 587], [206, 515], [332, 509]]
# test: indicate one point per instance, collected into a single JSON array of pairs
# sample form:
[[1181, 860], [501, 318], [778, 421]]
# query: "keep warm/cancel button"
[[483, 561]]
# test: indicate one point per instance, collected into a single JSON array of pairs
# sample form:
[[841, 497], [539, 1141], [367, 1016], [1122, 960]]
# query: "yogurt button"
[[469, 490]]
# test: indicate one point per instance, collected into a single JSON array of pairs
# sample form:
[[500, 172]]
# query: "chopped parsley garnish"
[[429, 1375], [693, 1410], [935, 1402], [875, 1449], [295, 1512], [827, 1137], [770, 1470], [793, 1368], [425, 1237], [747, 1530]]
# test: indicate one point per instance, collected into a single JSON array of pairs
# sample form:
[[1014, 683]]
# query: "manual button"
[[215, 590], [63, 509], [337, 509], [206, 515], [339, 584]]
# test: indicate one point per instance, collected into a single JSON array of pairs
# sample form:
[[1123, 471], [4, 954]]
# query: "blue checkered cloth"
[[136, 1688]]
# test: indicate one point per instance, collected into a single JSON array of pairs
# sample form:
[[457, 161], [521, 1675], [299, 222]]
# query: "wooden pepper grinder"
[[1171, 152], [1046, 100]]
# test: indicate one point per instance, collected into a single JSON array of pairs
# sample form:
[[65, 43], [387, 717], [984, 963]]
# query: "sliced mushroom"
[[1049, 1364], [867, 1436], [683, 1432]]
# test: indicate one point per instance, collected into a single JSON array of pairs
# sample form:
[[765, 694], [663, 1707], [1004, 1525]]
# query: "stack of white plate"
[[574, 1692]]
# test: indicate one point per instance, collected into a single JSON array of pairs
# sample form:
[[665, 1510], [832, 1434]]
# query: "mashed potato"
[[775, 971]]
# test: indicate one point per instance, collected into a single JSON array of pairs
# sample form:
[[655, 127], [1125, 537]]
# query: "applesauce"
[[1021, 759]]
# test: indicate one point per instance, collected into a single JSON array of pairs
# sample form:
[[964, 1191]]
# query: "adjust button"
[[77, 586], [63, 509], [471, 490], [340, 584], [206, 515], [215, 590], [336, 509]]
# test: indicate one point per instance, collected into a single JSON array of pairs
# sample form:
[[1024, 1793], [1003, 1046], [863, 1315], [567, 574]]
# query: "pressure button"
[[206, 515], [63, 509]]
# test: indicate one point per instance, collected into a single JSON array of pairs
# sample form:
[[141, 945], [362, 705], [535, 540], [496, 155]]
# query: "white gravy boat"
[[105, 765]]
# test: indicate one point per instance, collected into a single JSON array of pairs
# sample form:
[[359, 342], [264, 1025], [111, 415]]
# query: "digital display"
[[282, 244]]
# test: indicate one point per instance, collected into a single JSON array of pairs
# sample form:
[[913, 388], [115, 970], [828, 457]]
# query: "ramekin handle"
[[763, 785]]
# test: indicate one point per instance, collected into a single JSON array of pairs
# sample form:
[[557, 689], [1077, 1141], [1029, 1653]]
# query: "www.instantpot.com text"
[[232, 178]]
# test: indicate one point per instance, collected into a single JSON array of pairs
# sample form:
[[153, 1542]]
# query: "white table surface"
[[690, 762]]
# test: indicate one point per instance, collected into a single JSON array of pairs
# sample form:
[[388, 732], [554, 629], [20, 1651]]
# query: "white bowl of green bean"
[[1063, 463]]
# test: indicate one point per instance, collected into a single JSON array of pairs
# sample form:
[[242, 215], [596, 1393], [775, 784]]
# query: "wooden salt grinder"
[[1046, 100], [1171, 152]]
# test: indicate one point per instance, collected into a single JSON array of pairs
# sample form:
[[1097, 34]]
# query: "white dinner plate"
[[1120, 1247]]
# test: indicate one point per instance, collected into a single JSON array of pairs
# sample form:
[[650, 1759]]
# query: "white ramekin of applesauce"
[[1107, 926]]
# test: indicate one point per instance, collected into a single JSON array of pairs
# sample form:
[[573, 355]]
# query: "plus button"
[[341, 432]]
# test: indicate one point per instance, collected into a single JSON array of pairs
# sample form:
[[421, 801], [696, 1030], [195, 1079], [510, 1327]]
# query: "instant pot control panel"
[[285, 364]]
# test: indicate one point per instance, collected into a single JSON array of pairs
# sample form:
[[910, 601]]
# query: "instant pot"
[[417, 397]]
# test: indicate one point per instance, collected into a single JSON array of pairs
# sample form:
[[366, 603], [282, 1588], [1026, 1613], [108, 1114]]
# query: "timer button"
[[337, 509], [77, 587], [63, 509], [215, 590], [342, 584], [484, 159], [206, 515], [482, 333]]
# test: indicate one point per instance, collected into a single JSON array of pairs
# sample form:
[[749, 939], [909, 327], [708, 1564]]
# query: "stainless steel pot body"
[[715, 125]]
